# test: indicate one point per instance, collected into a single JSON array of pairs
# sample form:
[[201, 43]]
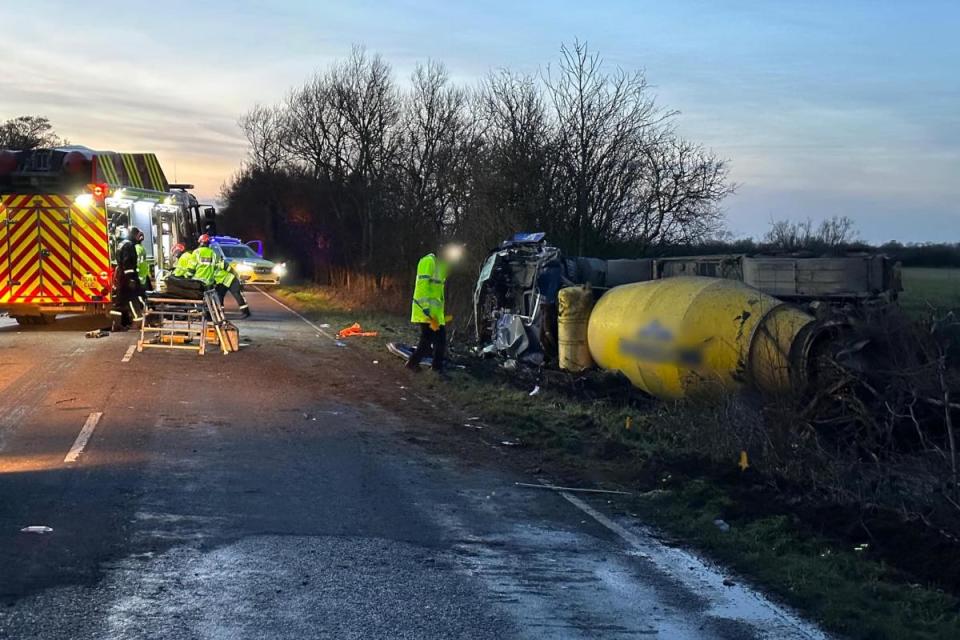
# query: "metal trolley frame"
[[181, 323]]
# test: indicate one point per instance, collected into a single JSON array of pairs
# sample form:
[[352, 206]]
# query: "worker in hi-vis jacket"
[[428, 305]]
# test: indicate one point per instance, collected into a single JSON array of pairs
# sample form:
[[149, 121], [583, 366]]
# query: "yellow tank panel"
[[685, 336]]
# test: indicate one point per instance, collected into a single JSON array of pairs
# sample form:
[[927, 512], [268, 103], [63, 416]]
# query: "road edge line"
[[786, 615], [308, 322]]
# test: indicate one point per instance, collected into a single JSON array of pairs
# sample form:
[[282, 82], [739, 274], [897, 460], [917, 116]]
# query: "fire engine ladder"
[[178, 323]]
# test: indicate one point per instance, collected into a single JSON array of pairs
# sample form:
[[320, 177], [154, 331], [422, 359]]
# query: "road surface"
[[297, 489]]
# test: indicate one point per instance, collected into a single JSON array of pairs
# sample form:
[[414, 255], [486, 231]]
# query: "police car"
[[247, 262]]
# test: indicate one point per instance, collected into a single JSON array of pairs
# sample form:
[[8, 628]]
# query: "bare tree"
[[28, 132], [677, 201], [603, 121], [832, 233], [837, 231], [263, 128], [438, 136], [372, 173], [517, 178], [313, 131]]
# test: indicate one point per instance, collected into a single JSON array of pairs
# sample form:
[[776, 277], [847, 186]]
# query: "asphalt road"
[[297, 489]]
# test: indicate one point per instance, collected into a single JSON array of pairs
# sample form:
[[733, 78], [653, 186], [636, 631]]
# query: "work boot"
[[245, 311]]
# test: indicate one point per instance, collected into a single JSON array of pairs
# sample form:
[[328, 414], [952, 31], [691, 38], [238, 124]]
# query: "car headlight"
[[280, 269], [243, 267]]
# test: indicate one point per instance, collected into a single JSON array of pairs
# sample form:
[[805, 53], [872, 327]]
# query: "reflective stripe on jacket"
[[428, 293], [126, 260], [206, 269], [223, 274]]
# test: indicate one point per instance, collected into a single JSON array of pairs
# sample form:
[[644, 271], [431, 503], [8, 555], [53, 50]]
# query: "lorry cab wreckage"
[[677, 326], [62, 213]]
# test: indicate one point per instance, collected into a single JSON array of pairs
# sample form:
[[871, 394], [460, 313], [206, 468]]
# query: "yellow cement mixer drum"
[[684, 336]]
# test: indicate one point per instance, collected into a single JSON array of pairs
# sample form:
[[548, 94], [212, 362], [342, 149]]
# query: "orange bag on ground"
[[355, 330]]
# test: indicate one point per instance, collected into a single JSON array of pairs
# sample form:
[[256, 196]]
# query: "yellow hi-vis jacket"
[[206, 265], [143, 267], [428, 290]]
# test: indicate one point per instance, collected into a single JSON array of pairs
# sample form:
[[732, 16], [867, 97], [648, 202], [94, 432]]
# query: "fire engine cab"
[[64, 211]]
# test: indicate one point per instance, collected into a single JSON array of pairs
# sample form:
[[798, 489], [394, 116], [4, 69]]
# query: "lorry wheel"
[[25, 321]]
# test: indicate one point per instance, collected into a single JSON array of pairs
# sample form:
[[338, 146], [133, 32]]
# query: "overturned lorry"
[[681, 325]]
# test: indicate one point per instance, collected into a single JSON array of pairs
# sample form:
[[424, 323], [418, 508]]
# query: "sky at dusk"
[[822, 107]]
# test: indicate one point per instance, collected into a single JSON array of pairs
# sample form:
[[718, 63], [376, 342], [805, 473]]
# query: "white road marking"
[[313, 326], [129, 354], [738, 600], [83, 437]]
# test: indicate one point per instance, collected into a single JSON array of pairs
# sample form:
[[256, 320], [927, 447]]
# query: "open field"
[[925, 287]]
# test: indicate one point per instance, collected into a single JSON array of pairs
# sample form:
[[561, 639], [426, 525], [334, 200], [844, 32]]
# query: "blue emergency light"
[[225, 240]]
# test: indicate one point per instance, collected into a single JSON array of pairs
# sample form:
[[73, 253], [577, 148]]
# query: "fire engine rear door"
[[22, 282], [56, 249]]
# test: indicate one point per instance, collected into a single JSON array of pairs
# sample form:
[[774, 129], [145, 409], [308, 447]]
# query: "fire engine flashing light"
[[84, 200], [99, 190]]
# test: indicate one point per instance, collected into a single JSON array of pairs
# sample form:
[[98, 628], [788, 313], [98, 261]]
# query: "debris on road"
[[37, 528], [536, 390], [404, 351], [554, 487], [720, 524], [340, 343], [356, 331], [97, 333], [510, 443]]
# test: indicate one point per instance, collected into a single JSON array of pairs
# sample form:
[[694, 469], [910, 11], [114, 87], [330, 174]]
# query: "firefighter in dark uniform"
[[127, 288]]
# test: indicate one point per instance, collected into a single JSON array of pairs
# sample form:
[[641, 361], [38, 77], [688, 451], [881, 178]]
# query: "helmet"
[[203, 240], [135, 235], [177, 250]]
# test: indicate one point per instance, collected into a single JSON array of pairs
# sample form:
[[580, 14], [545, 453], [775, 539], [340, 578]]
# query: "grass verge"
[[595, 430]]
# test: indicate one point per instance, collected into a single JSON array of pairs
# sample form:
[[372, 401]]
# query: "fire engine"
[[63, 212]]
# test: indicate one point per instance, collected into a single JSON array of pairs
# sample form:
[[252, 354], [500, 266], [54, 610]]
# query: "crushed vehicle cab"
[[247, 260], [63, 212]]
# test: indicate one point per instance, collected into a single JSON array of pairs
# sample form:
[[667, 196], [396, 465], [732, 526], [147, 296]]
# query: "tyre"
[[28, 321]]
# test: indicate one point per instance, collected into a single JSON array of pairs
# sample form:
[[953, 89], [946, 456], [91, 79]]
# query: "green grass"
[[926, 287], [848, 591], [583, 438]]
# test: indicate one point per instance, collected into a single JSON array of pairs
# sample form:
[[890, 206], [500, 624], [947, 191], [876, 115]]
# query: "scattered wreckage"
[[677, 326]]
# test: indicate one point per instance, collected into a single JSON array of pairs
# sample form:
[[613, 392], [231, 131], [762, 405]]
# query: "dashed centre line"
[[83, 437], [129, 354]]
